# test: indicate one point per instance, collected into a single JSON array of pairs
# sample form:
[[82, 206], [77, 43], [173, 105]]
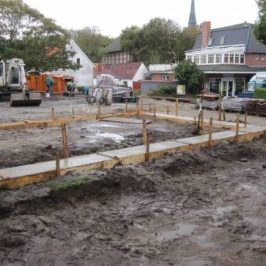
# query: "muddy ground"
[[205, 207], [20, 147]]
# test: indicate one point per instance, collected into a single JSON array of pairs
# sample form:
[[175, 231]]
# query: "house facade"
[[228, 56], [115, 54], [123, 74], [83, 76], [162, 72]]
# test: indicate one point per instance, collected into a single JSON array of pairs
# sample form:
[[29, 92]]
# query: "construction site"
[[153, 182]]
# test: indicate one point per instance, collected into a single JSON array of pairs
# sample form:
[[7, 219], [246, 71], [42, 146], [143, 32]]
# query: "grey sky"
[[112, 16]]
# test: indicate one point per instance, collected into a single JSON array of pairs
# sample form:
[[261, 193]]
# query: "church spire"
[[192, 17]]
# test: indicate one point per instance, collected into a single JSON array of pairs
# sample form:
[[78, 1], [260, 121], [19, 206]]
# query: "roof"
[[234, 35], [120, 71], [115, 46], [161, 68], [236, 69]]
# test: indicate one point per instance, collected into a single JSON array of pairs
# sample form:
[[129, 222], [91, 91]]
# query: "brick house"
[[115, 54], [228, 56], [162, 72]]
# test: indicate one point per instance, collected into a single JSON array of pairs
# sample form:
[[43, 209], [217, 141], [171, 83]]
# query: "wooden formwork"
[[24, 175]]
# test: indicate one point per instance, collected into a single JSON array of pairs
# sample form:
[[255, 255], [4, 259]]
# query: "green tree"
[[159, 41], [186, 42], [188, 74], [92, 43], [260, 28], [131, 41], [27, 34]]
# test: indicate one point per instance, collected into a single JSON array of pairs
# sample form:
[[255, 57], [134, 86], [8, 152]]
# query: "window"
[[240, 85], [218, 58], [237, 59], [226, 58], [78, 61], [257, 57], [203, 59], [222, 40], [210, 59], [242, 59], [263, 57], [231, 59], [189, 57], [196, 59], [214, 85], [210, 41]]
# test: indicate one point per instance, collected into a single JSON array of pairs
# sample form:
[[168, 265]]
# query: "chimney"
[[205, 28]]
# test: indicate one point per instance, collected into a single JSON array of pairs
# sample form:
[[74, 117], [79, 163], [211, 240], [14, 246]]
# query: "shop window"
[[214, 85], [231, 59]]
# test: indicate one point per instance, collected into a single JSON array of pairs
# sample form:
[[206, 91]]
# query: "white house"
[[84, 75]]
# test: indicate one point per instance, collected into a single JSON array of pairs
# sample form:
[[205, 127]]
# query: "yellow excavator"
[[13, 84]]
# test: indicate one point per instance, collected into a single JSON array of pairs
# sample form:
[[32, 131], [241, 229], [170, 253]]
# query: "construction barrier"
[[37, 83]]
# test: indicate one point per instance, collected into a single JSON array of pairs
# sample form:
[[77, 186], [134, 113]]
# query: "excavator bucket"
[[25, 99]]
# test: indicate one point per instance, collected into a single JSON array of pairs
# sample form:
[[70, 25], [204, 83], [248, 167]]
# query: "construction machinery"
[[13, 84]]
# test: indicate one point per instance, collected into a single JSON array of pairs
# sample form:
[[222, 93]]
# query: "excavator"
[[13, 84]]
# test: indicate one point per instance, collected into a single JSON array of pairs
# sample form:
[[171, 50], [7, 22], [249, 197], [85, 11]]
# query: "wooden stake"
[[210, 131], [144, 125], [147, 153], [201, 121], [138, 107], [142, 105], [176, 107], [126, 105], [73, 114], [220, 108], [98, 111], [246, 118], [64, 137], [53, 113], [57, 164], [237, 128]]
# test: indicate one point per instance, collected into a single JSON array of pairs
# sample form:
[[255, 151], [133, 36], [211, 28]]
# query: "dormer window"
[[222, 40], [210, 41]]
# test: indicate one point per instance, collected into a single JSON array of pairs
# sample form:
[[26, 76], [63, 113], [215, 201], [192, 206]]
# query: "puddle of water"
[[182, 229], [115, 137], [256, 220]]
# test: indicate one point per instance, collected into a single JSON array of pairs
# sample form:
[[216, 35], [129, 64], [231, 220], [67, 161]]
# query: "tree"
[[260, 28], [131, 41], [91, 42], [27, 34], [159, 41], [186, 42], [188, 74]]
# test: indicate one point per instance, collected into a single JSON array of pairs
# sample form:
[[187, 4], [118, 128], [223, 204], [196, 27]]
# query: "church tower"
[[192, 16]]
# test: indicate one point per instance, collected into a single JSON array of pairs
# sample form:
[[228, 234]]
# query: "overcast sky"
[[112, 16]]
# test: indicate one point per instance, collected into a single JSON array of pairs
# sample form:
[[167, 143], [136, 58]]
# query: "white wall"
[[84, 75]]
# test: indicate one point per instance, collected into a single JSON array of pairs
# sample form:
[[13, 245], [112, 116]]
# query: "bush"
[[163, 90], [260, 93]]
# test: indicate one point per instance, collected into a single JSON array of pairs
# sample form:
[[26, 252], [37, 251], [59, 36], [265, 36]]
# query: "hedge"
[[260, 93]]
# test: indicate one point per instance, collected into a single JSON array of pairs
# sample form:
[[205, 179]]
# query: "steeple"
[[192, 17]]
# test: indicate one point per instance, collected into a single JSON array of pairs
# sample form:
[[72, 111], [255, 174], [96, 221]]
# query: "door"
[[228, 87]]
